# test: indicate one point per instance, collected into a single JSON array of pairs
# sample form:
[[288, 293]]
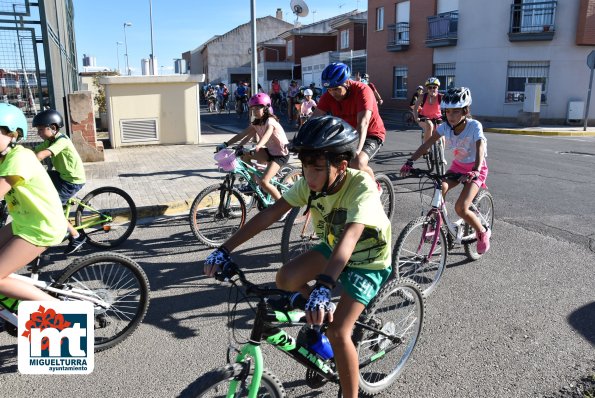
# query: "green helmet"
[[13, 119]]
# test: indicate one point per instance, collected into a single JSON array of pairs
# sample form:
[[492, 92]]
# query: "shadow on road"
[[582, 320]]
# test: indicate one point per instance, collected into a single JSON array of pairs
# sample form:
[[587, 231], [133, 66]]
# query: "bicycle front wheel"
[[298, 234], [217, 383], [396, 315], [438, 155], [217, 213], [420, 253], [483, 207], [107, 216], [117, 280], [387, 196]]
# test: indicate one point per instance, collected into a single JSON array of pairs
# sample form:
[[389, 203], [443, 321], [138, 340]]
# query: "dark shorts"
[[66, 190], [372, 146], [280, 160]]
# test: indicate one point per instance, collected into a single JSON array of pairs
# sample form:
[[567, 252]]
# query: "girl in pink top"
[[307, 104], [427, 108], [271, 141]]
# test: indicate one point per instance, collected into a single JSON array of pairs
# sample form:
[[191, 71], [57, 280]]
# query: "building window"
[[289, 48], [400, 82], [380, 18], [446, 74], [521, 73], [344, 39]]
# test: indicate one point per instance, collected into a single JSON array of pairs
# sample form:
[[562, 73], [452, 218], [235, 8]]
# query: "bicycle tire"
[[291, 177], [438, 154], [387, 197], [112, 204], [410, 255], [397, 310], [118, 280], [3, 213], [484, 202], [207, 225], [298, 234], [218, 379]]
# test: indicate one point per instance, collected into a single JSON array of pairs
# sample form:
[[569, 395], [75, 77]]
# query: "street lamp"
[[126, 47], [118, 44]]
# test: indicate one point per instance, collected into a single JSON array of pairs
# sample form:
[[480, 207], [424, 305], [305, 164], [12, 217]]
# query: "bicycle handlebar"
[[231, 269], [435, 176]]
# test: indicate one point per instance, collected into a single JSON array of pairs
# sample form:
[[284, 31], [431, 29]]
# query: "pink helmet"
[[260, 99]]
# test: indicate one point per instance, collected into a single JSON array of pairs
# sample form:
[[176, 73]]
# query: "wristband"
[[224, 250], [326, 280]]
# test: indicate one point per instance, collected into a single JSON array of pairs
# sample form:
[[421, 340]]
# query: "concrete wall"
[[483, 51], [81, 118], [172, 100]]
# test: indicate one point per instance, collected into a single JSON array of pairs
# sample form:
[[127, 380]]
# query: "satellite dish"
[[299, 8]]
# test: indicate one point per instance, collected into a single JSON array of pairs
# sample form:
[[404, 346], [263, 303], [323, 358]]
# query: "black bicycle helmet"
[[327, 134], [47, 118]]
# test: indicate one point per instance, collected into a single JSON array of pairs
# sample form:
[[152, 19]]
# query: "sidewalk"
[[165, 179]]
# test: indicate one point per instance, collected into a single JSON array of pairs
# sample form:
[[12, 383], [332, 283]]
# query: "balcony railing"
[[532, 21], [398, 36], [443, 29]]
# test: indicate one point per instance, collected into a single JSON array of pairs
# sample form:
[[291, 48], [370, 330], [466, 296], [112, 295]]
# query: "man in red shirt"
[[355, 103]]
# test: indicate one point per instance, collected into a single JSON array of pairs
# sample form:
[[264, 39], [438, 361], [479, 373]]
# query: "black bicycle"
[[385, 336]]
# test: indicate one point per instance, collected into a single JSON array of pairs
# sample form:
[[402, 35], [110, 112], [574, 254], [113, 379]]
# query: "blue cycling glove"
[[320, 298], [219, 257]]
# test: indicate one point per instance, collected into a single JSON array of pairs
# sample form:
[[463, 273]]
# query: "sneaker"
[[483, 241], [246, 189], [74, 244]]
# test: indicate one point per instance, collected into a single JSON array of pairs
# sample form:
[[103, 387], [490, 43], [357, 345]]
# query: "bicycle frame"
[[74, 293], [97, 218]]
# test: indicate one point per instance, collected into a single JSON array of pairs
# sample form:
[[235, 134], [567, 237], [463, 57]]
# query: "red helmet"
[[260, 99]]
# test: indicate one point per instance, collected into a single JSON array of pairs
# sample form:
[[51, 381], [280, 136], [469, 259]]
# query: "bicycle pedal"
[[314, 380]]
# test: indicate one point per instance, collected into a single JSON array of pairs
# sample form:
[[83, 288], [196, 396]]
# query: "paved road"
[[518, 323]]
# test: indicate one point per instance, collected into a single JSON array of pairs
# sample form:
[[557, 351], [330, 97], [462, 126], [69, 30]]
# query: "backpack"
[[423, 101]]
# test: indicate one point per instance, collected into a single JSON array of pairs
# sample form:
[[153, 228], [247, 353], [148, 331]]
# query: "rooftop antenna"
[[299, 8]]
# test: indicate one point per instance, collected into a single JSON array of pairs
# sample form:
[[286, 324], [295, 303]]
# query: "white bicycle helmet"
[[308, 92], [456, 97]]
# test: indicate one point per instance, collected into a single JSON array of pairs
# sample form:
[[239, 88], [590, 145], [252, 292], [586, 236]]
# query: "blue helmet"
[[335, 74], [13, 119]]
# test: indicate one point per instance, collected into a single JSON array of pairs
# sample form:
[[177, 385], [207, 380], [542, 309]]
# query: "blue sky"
[[178, 25]]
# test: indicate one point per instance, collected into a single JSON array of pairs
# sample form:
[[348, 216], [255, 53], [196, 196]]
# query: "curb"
[[168, 209], [541, 132]]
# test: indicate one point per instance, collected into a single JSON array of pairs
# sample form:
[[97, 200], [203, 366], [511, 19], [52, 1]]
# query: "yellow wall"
[[172, 100]]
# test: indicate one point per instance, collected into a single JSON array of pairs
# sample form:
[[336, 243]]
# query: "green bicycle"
[[106, 216], [221, 209], [385, 336]]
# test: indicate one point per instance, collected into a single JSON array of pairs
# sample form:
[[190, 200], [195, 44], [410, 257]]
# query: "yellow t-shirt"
[[33, 202], [358, 201], [65, 159]]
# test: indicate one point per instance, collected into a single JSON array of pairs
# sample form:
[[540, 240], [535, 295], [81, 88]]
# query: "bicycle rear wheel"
[[298, 234], [411, 255], [397, 311], [387, 197], [117, 280], [483, 207], [216, 213], [107, 216], [216, 383], [291, 176]]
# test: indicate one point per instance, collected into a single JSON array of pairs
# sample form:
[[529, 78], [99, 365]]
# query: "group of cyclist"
[[335, 146]]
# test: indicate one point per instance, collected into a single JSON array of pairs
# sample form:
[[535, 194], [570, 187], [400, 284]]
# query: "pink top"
[[307, 107], [277, 143], [431, 111]]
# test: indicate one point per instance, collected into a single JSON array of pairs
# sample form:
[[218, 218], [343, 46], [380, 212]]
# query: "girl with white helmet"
[[427, 110], [271, 141], [308, 105], [469, 147]]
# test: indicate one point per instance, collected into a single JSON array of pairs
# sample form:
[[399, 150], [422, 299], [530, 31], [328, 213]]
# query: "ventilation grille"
[[135, 130]]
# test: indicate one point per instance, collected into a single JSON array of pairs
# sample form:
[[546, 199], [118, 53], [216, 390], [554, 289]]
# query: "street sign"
[[591, 60]]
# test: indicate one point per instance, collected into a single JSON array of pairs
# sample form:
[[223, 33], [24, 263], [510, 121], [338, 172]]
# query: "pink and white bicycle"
[[423, 245]]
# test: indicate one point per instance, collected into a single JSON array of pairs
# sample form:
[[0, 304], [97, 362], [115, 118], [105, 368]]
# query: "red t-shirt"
[[359, 98]]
